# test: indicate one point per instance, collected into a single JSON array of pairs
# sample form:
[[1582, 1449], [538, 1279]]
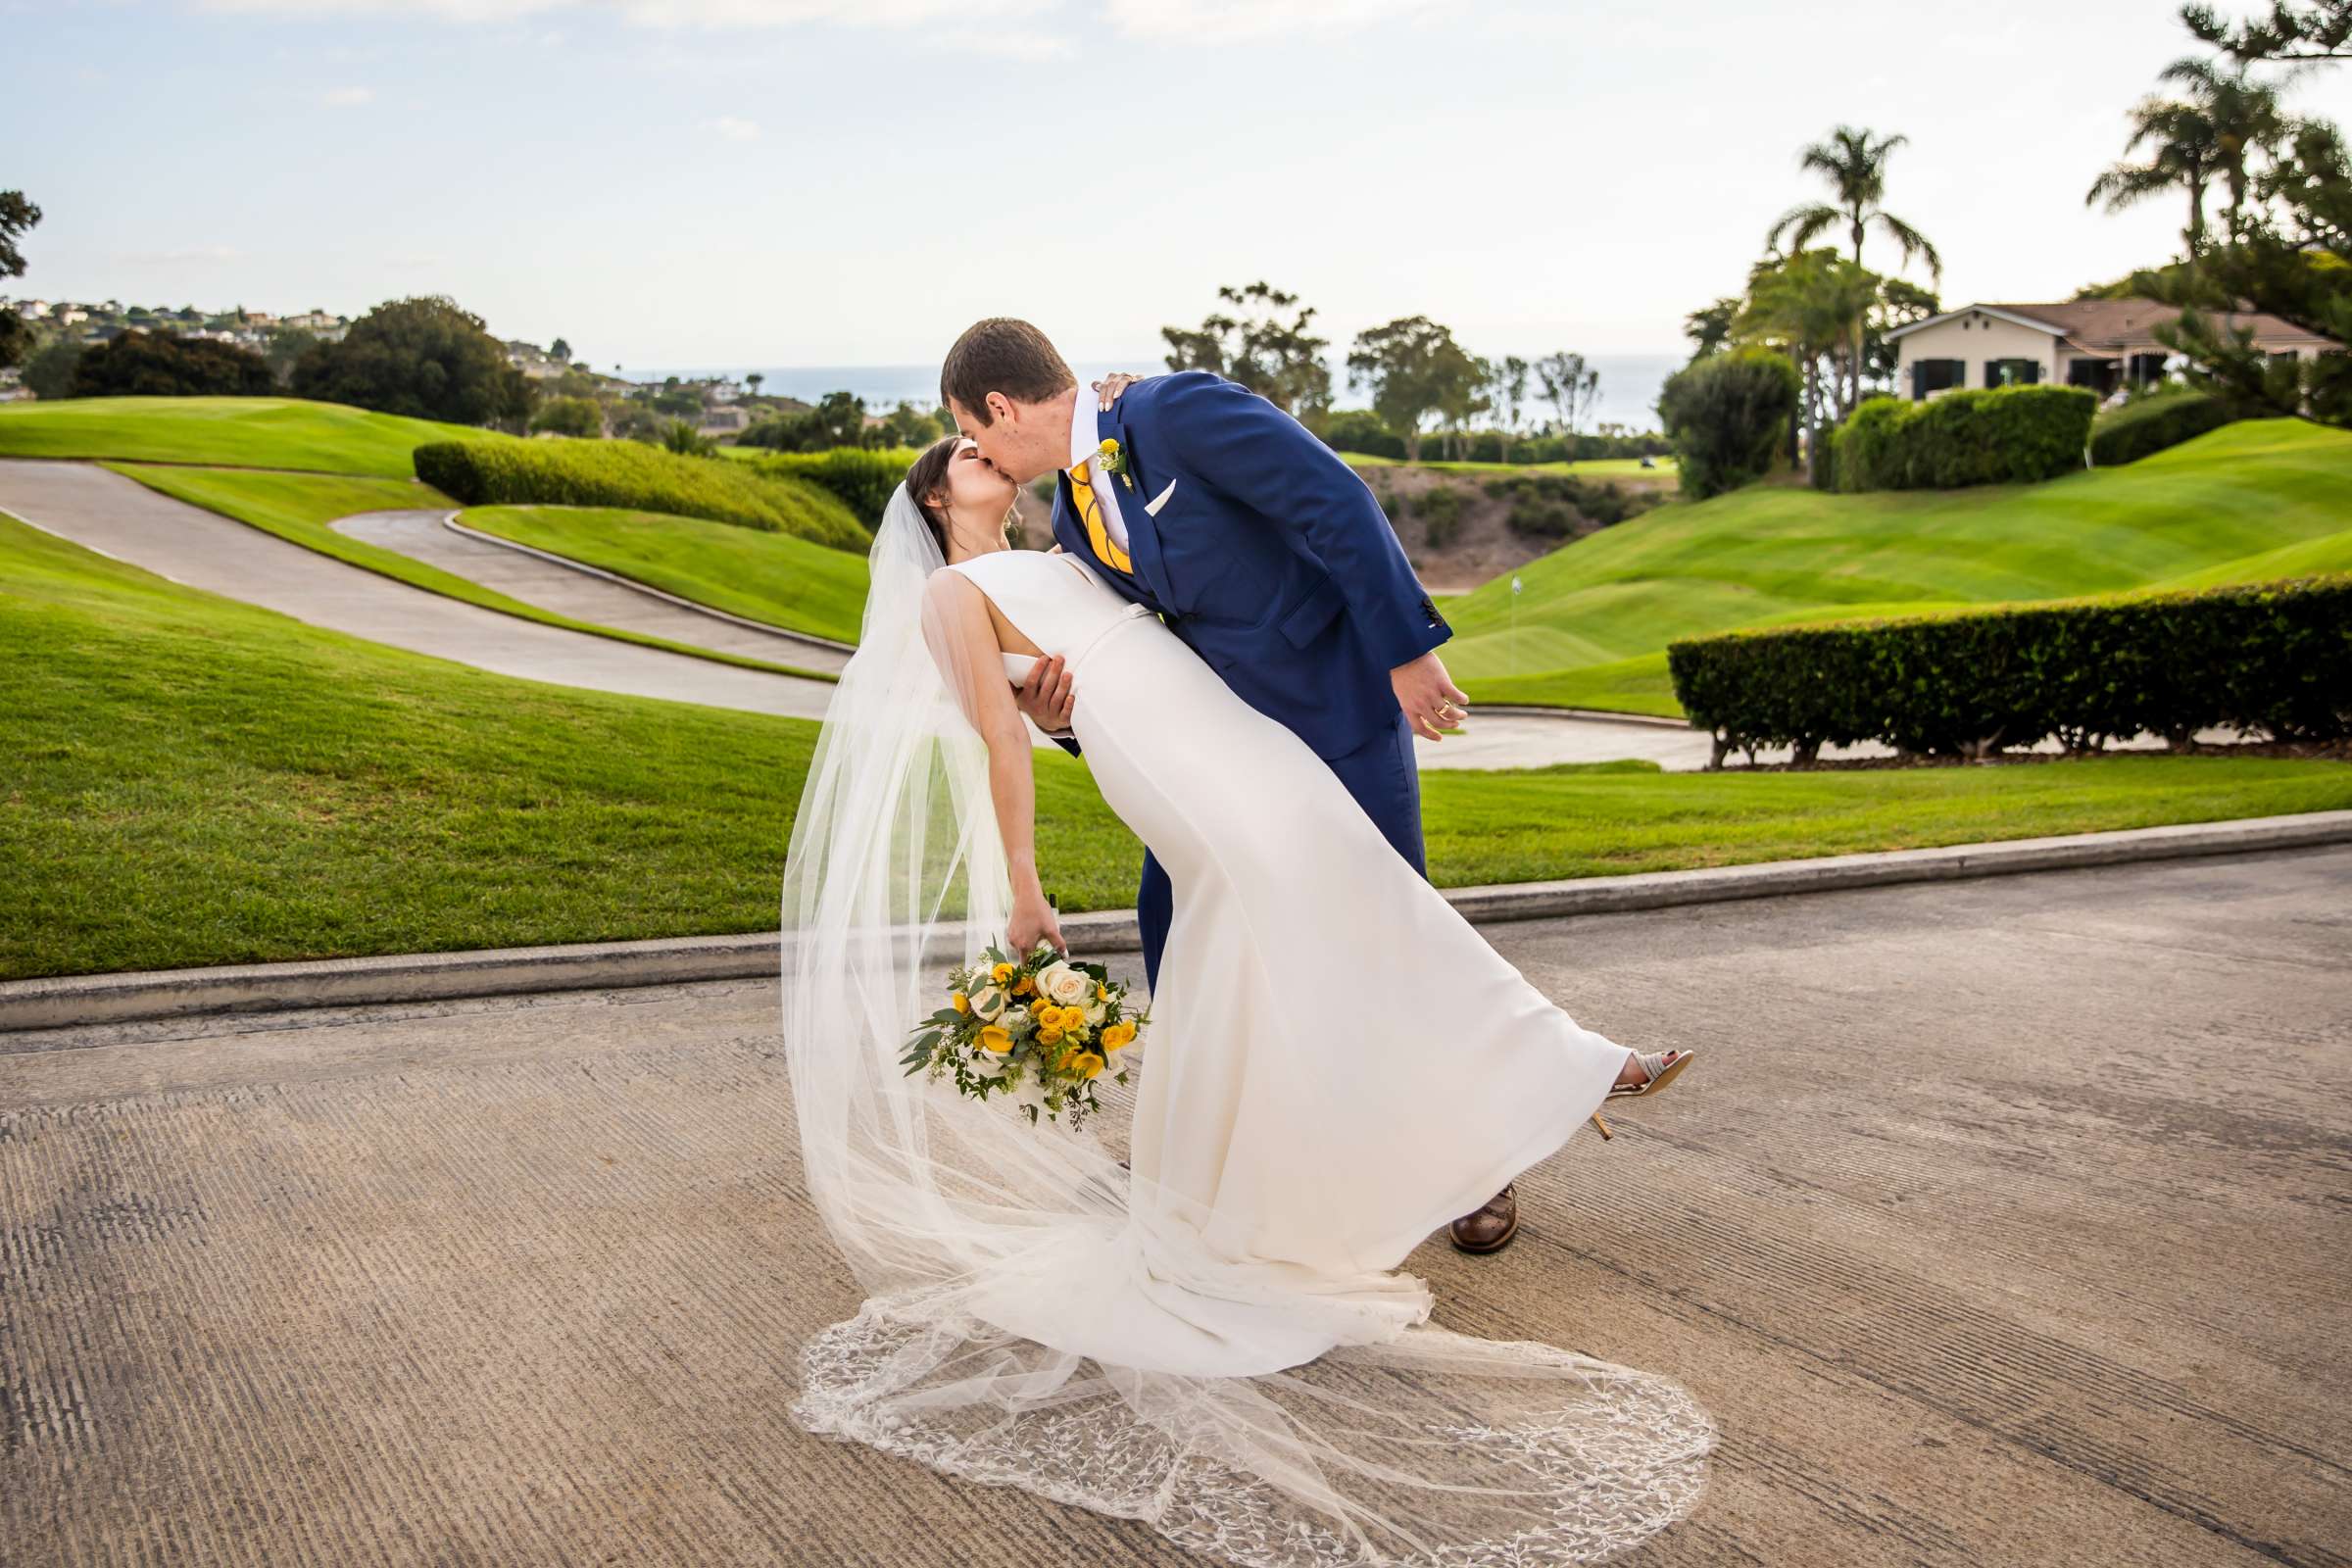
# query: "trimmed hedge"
[[2137, 429], [1998, 435], [2272, 657], [862, 477], [644, 478]]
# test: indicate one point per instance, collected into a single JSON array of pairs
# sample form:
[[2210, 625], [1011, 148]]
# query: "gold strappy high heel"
[[1661, 1072]]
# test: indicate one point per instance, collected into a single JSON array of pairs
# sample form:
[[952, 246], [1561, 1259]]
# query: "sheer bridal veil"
[[1422, 1446]]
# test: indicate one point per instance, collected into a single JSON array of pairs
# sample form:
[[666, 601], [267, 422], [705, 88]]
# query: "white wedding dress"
[[1338, 1065]]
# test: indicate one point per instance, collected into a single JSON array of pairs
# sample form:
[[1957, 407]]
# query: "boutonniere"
[[1114, 461]]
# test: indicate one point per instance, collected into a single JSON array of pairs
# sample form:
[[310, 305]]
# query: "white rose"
[[987, 1064], [988, 1002], [1096, 1010], [1065, 986]]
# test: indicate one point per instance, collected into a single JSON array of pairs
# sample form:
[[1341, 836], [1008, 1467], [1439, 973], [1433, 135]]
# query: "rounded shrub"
[[2151, 424]]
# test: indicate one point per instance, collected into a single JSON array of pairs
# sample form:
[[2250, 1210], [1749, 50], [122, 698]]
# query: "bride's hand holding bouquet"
[[1041, 1027]]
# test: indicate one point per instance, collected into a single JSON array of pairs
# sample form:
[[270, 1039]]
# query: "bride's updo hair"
[[928, 474]]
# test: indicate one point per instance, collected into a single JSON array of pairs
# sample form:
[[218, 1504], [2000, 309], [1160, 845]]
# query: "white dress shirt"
[[1085, 439]]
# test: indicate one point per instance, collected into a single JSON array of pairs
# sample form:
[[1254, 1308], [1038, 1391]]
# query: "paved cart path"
[[1999, 1222]]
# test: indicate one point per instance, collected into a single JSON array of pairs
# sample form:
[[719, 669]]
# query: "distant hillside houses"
[[98, 321]]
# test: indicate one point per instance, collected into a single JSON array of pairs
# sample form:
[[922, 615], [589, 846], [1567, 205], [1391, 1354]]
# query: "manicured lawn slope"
[[235, 432], [188, 780], [2234, 505], [298, 507], [770, 577]]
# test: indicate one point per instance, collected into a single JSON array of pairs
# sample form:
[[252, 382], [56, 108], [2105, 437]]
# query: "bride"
[[1215, 1341]]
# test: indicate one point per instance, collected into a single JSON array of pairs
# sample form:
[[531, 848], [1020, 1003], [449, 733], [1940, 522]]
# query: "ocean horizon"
[[1629, 383]]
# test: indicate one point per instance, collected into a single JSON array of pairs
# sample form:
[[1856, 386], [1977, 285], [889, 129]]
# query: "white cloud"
[[734, 128], [346, 97]]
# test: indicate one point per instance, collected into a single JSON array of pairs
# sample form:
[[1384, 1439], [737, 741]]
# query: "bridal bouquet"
[[1042, 1028]]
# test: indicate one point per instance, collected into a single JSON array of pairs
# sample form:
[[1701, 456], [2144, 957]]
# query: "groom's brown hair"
[[1001, 355]]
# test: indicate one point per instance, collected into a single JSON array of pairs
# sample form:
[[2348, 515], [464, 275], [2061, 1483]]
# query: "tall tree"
[[1413, 368], [2242, 117], [423, 357], [17, 215], [1461, 398], [1266, 345], [1570, 386], [2181, 155], [2321, 30], [559, 349], [1709, 328], [1812, 306], [1507, 392], [1853, 161]]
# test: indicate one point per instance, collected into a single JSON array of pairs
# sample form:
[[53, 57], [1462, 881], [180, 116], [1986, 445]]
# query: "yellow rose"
[[1088, 1064], [1024, 986], [995, 1038], [964, 1003], [1000, 973], [1117, 1036], [1048, 1037]]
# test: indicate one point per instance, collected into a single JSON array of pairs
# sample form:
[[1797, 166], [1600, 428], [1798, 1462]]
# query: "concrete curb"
[[73, 1001], [1528, 711], [449, 521]]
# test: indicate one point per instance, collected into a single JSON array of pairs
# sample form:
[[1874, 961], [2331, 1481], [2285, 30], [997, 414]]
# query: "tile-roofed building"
[[2101, 344]]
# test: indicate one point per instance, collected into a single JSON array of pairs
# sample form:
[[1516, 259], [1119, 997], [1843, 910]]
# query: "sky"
[[675, 183]]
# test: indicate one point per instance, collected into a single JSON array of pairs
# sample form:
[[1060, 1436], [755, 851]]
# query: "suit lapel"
[[1143, 535]]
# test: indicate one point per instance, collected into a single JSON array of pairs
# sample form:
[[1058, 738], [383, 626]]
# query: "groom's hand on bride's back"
[[1046, 697]]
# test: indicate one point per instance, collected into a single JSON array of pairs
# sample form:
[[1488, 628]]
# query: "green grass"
[[774, 578], [298, 507], [2232, 506], [190, 780], [230, 432]]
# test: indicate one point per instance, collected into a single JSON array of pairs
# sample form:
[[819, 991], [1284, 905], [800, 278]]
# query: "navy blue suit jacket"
[[1267, 556]]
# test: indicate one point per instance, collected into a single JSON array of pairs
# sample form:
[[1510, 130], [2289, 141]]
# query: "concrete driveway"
[[1999, 1222], [121, 518]]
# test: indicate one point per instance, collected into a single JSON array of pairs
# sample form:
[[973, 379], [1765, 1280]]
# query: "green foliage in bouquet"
[[1042, 1028]]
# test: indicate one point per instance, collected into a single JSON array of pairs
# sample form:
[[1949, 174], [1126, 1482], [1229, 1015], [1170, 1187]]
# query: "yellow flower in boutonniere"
[[1114, 461]]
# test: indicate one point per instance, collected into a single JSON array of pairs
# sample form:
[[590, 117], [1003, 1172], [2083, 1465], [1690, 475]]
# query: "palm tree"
[[1814, 305], [1854, 162], [2240, 115], [2181, 149]]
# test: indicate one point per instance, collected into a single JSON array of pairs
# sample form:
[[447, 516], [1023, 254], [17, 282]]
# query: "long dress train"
[[1338, 1065]]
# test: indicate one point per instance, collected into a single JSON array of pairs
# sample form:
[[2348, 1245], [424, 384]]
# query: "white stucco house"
[[2100, 344]]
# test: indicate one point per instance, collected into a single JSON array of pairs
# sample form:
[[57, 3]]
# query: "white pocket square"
[[1153, 506]]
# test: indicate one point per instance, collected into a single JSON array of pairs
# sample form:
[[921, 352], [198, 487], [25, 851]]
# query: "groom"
[[1260, 547]]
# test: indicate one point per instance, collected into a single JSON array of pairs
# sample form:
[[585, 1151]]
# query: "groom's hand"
[[1045, 696], [1429, 695]]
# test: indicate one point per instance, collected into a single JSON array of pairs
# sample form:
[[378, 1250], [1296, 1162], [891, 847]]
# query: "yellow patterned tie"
[[1089, 512]]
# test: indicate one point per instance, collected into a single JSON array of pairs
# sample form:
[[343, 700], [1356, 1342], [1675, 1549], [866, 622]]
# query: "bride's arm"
[[964, 645]]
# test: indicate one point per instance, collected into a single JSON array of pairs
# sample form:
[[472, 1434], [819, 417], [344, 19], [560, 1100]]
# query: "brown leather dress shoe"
[[1490, 1228]]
